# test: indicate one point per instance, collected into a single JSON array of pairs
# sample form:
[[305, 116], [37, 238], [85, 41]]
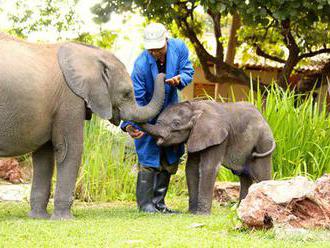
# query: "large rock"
[[298, 202]]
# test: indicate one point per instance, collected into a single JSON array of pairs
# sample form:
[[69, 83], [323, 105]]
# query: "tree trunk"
[[224, 71], [232, 44], [293, 58]]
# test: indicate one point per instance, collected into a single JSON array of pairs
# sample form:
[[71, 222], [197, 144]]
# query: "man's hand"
[[174, 81], [133, 132]]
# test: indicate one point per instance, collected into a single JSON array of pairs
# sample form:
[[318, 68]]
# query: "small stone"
[[196, 225]]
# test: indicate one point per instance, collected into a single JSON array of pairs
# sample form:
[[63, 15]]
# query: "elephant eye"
[[127, 95], [175, 124]]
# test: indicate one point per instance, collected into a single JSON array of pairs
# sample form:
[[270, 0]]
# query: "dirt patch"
[[226, 192]]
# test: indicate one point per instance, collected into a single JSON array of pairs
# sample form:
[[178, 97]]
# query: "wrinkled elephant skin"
[[43, 92], [231, 134]]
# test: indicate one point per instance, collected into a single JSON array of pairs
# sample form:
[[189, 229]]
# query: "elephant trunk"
[[142, 114], [158, 132], [152, 130]]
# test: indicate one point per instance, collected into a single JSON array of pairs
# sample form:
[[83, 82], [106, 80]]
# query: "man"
[[156, 165]]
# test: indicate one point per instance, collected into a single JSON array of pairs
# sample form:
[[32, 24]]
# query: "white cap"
[[155, 35]]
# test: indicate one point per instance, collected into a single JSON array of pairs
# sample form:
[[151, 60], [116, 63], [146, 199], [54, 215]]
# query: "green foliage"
[[259, 11], [19, 19], [269, 40], [263, 20], [104, 39], [175, 33], [107, 172], [161, 11], [48, 15], [301, 131]]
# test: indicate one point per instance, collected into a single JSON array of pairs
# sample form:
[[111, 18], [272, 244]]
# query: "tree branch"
[[262, 53], [216, 16], [314, 53], [294, 50], [270, 13], [229, 73], [182, 21], [267, 29], [288, 38], [224, 71]]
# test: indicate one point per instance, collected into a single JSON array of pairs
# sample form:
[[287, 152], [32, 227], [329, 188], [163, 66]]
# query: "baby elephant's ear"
[[207, 131]]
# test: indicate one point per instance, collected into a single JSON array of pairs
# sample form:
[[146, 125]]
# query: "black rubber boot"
[[160, 189], [144, 191]]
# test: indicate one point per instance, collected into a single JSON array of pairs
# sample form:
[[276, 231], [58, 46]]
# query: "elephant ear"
[[87, 76], [206, 132]]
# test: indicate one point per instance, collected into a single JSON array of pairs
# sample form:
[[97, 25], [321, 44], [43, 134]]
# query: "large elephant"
[[44, 91], [231, 134]]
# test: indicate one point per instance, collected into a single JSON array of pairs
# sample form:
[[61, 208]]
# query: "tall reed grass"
[[107, 171], [301, 127], [301, 131]]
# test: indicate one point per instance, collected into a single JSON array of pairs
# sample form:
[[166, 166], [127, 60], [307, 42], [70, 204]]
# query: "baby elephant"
[[231, 134]]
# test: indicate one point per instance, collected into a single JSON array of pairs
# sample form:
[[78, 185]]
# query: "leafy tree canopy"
[[104, 39], [301, 27], [54, 16]]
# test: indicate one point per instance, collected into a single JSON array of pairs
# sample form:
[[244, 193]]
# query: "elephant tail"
[[261, 155]]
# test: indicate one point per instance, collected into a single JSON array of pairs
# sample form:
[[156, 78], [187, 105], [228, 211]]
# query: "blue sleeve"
[[139, 85], [124, 124], [186, 69], [139, 92]]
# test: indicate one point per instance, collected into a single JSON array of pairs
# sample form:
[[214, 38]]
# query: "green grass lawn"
[[119, 224]]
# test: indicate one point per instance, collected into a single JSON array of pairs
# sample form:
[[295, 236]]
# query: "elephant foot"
[[199, 211], [202, 212], [62, 215], [202, 208], [192, 208], [39, 214], [62, 210]]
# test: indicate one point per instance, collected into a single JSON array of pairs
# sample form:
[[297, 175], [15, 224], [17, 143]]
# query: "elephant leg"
[[69, 146], [192, 176], [261, 169], [208, 167], [245, 183], [43, 167]]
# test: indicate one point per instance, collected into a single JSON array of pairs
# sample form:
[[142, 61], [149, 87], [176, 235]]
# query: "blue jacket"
[[144, 72]]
